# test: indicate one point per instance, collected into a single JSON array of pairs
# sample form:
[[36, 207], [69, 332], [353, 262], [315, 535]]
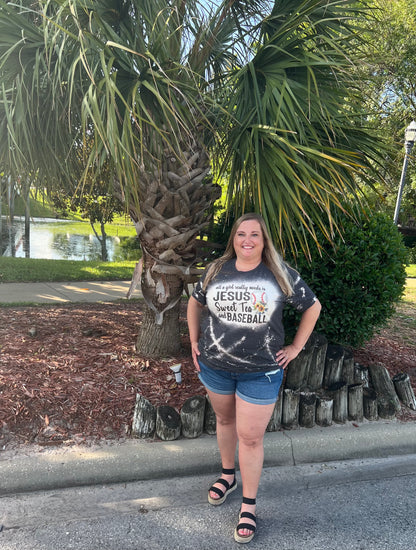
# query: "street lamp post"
[[409, 137]]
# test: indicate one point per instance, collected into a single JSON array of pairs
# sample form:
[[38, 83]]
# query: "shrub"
[[411, 255], [359, 280]]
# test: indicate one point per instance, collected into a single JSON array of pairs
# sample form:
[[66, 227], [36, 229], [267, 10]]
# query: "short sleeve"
[[303, 297], [198, 293]]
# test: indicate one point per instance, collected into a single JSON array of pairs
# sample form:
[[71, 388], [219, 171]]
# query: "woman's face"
[[248, 241]]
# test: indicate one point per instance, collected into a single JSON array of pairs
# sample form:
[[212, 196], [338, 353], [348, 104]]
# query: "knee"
[[225, 419], [250, 441]]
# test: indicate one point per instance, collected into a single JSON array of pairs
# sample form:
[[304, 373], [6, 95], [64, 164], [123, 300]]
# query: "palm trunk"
[[159, 330], [159, 340], [176, 206]]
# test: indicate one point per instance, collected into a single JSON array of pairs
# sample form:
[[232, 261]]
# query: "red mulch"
[[396, 356], [77, 377]]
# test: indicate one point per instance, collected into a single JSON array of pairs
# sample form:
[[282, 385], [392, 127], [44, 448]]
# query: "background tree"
[[388, 86], [93, 198], [261, 91]]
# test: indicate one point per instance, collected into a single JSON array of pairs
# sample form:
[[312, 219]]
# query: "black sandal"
[[228, 488], [242, 525]]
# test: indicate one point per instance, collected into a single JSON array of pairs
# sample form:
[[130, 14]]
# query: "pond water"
[[49, 239]]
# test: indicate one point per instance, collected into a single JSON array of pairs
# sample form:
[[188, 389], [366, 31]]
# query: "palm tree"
[[173, 92]]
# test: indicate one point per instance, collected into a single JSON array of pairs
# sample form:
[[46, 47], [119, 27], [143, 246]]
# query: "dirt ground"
[[70, 374]]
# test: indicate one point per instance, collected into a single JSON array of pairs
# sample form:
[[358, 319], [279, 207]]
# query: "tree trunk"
[[388, 402], [333, 365], [355, 402], [27, 221], [404, 390], [144, 418], [173, 207], [324, 411], [104, 251], [370, 404], [361, 375], [290, 412], [10, 198], [317, 366], [307, 409], [192, 416], [347, 374], [297, 371], [159, 340], [168, 423], [339, 392]]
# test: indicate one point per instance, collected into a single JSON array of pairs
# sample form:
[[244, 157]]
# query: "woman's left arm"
[[306, 326]]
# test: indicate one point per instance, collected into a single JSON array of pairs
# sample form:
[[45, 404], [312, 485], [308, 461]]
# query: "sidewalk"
[[58, 293], [133, 460]]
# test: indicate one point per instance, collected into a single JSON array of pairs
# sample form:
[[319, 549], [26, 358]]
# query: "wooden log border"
[[331, 388]]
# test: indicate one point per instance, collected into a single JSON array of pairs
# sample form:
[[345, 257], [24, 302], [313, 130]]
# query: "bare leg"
[[224, 408], [252, 422]]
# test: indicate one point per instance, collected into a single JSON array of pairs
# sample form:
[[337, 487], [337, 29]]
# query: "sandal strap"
[[228, 471], [247, 500], [243, 525], [248, 526], [248, 515], [226, 485]]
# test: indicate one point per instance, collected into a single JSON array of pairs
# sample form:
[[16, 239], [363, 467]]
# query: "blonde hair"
[[270, 257]]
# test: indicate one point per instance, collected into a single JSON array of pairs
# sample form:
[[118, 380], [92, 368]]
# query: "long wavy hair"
[[270, 257]]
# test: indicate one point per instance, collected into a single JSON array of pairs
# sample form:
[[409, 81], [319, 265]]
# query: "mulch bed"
[[71, 373], [78, 376]]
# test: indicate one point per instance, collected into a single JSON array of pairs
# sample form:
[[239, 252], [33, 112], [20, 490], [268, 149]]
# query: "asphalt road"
[[354, 505]]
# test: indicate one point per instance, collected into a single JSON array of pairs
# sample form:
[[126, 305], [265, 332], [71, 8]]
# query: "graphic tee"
[[243, 330]]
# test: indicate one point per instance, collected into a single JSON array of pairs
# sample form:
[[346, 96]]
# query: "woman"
[[240, 354]]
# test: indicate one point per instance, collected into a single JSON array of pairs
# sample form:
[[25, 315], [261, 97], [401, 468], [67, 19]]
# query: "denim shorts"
[[259, 388]]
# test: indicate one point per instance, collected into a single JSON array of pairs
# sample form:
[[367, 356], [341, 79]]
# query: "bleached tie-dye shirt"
[[243, 330]]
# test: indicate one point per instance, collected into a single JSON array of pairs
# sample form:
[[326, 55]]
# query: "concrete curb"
[[135, 460]]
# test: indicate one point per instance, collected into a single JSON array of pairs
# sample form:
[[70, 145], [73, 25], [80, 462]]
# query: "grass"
[[24, 270], [411, 270], [84, 228], [39, 208], [410, 291]]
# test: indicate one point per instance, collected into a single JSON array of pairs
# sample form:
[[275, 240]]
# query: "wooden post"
[[370, 404], [276, 419], [307, 409], [339, 392], [168, 423], [297, 371], [192, 416], [355, 402], [387, 400], [333, 365], [404, 390], [210, 420], [317, 366], [347, 373], [361, 375], [290, 411], [324, 411], [144, 418]]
